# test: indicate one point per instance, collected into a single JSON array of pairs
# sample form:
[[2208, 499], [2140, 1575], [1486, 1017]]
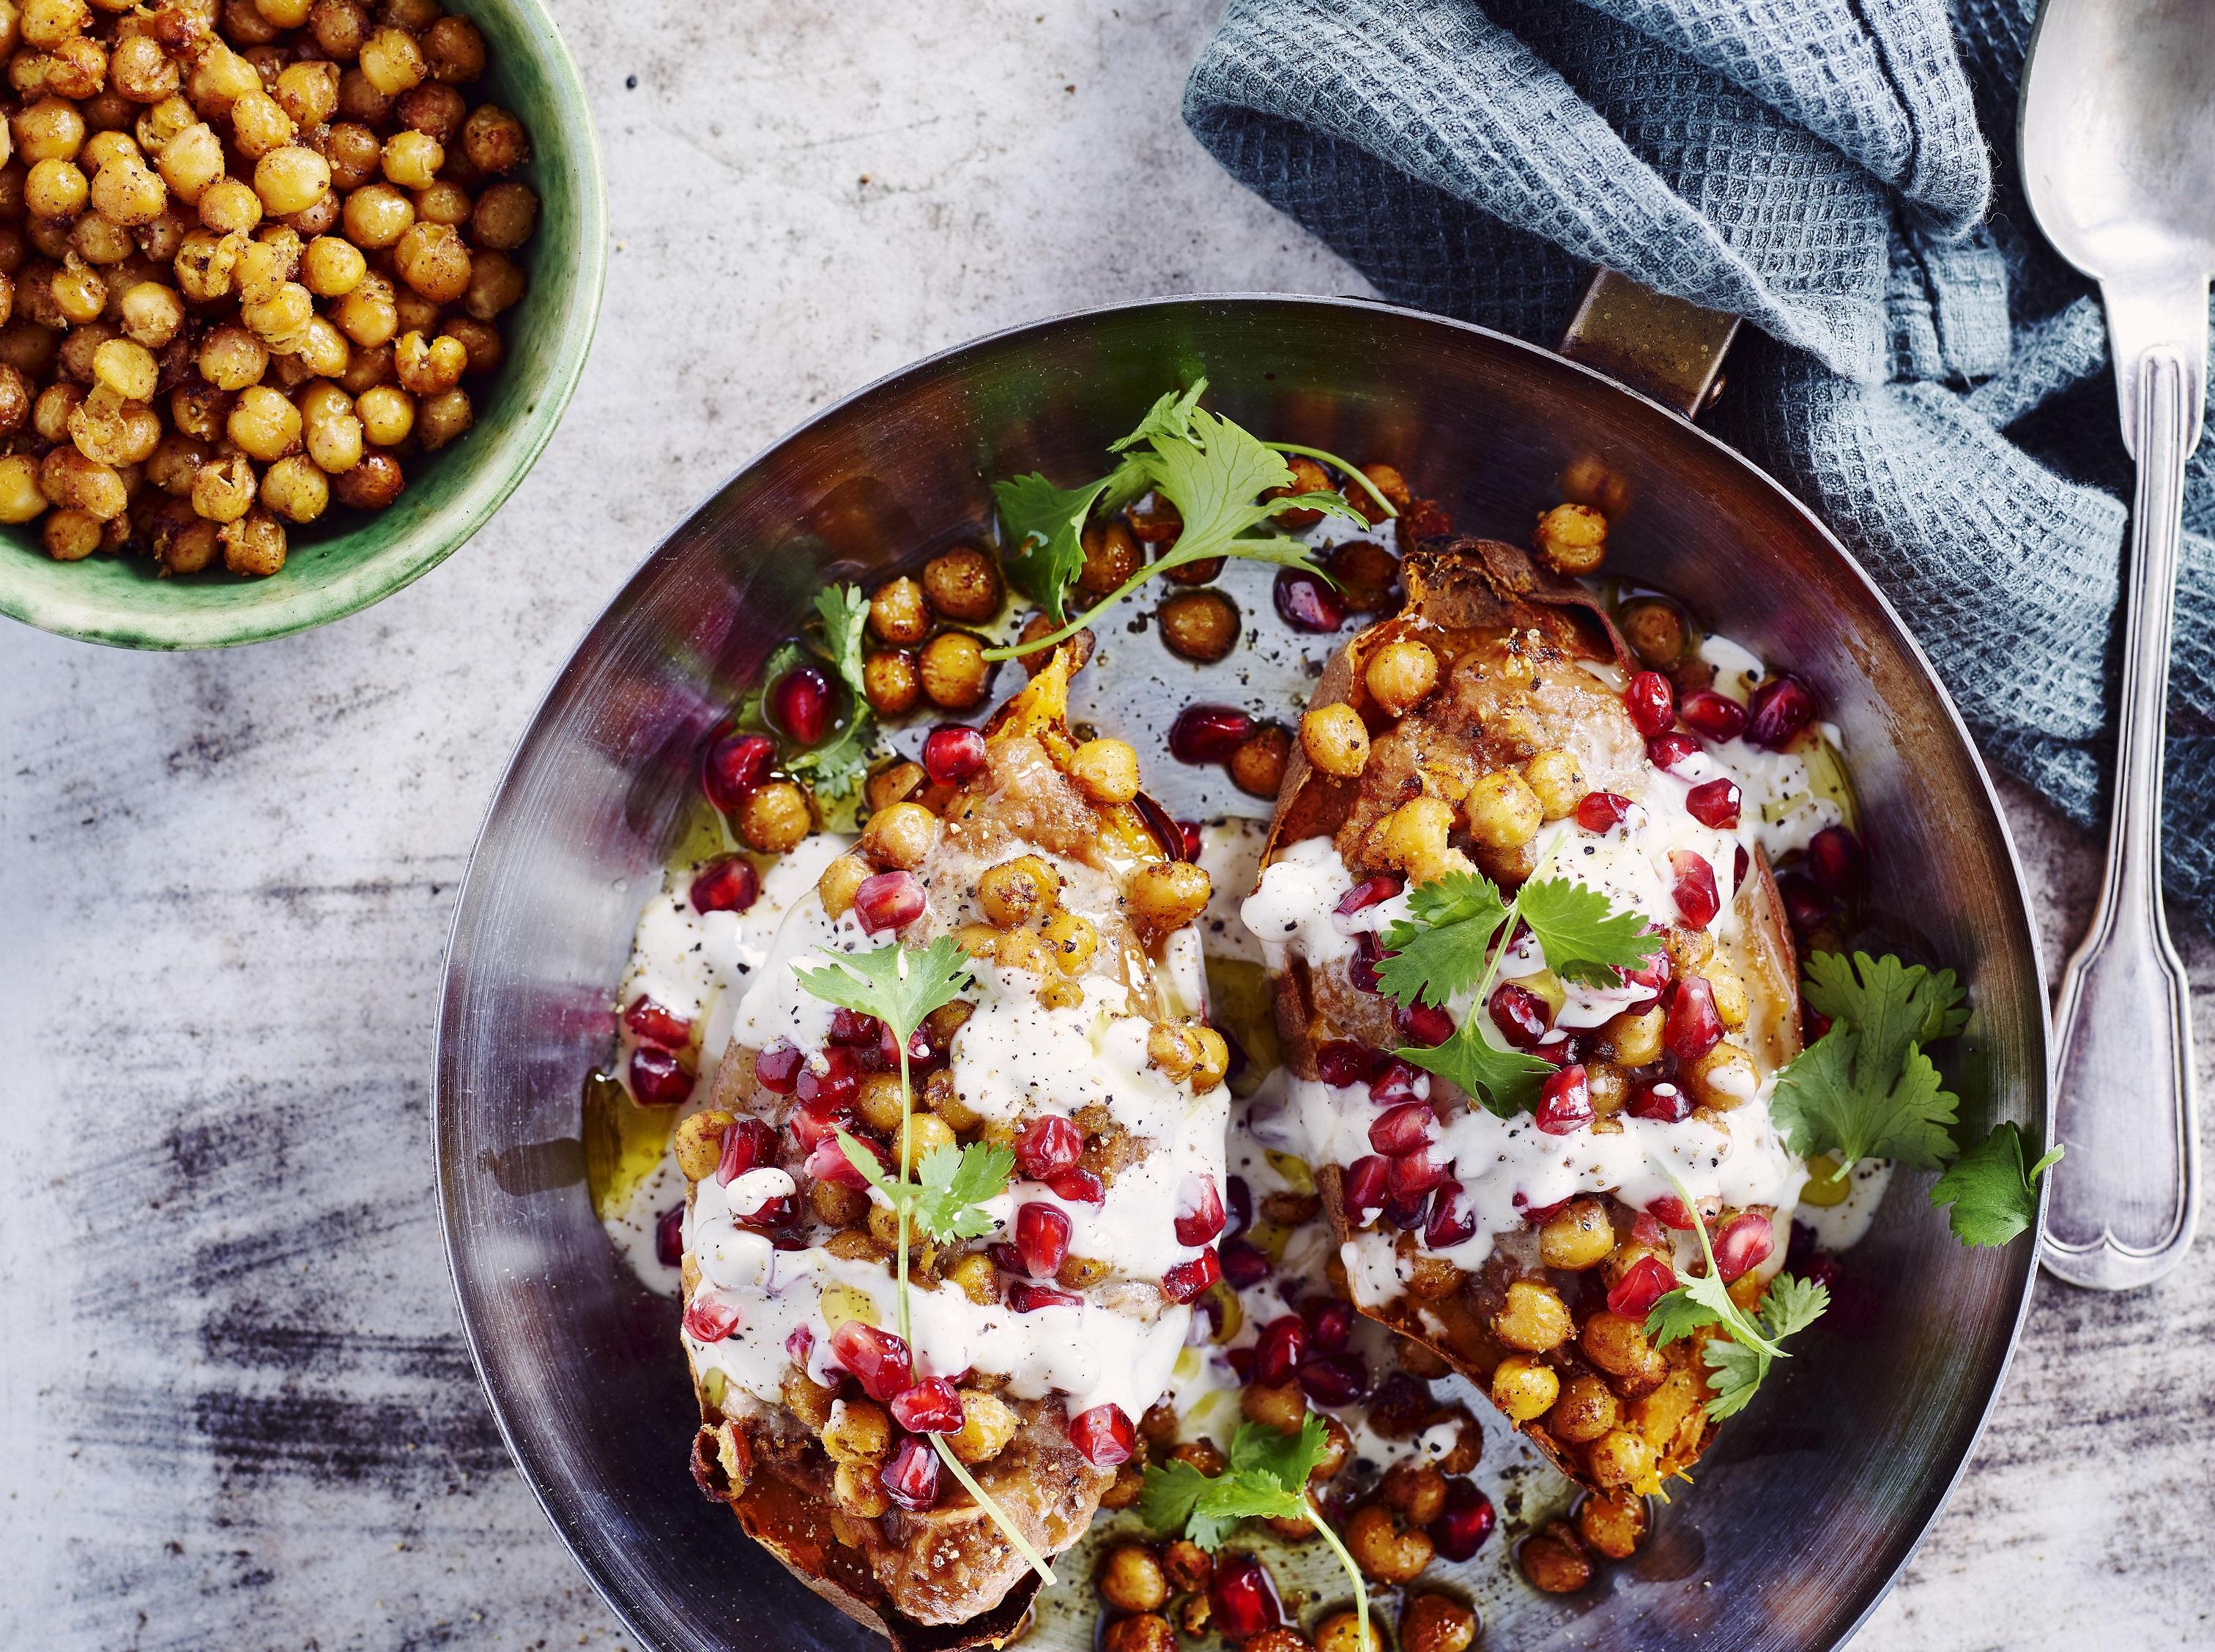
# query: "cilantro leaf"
[[839, 765], [845, 612], [1790, 1304], [1992, 1195], [1584, 935], [954, 1183], [1170, 1495], [1506, 1081], [1213, 475], [1447, 944], [1170, 420], [1891, 1004], [1288, 1458], [1045, 528], [898, 985], [1834, 1097]]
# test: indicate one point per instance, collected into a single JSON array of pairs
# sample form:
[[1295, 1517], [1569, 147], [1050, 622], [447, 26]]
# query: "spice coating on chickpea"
[[1573, 539], [1335, 740], [1401, 674], [1200, 626]]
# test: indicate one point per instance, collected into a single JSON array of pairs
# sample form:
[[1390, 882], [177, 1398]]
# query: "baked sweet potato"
[[1505, 1265]]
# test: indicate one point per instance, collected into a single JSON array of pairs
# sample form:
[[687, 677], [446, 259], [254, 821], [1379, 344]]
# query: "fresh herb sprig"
[[901, 986], [1265, 1477], [845, 613], [1460, 930], [1210, 469], [1991, 1196]]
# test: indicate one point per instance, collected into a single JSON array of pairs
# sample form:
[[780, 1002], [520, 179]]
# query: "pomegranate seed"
[[1453, 1219], [1305, 603], [735, 766], [1693, 885], [1523, 1018], [1079, 1186], [1646, 1229], [1340, 1063], [1672, 752], [730, 884], [851, 1027], [656, 1080], [1777, 710], [952, 754], [799, 704], [1806, 906], [1744, 1244], [1280, 1349], [766, 1202], [1199, 1211], [1565, 1104], [1405, 1129], [1598, 811], [1653, 975], [1336, 1380], [1240, 1359], [1361, 968], [931, 1407], [1535, 1214], [1466, 1521], [747, 1145], [1692, 1028], [1669, 1210], [1395, 1083], [1189, 832], [1814, 1024], [1715, 802], [1645, 1282], [800, 1346], [1242, 1265], [890, 900], [834, 1084], [1006, 1258], [776, 1069], [1368, 892], [1652, 702], [827, 1161], [1048, 1147], [1042, 1237], [1715, 715], [669, 1237], [710, 1319], [911, 1475], [1364, 1195], [1411, 1175], [876, 1359], [1407, 1212], [813, 1121], [1834, 855], [1241, 1200], [1741, 864], [1208, 734], [1242, 1598], [1025, 1297], [1188, 1279], [1103, 1437], [1330, 1323], [1662, 1101], [1425, 1023], [656, 1024]]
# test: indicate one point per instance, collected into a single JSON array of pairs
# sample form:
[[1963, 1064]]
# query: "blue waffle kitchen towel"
[[1933, 380]]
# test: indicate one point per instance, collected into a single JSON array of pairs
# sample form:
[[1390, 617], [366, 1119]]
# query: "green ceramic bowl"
[[352, 559]]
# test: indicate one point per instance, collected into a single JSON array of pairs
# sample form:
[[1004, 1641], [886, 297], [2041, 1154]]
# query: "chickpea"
[[20, 498], [254, 545], [482, 341], [699, 1141], [1533, 1318], [258, 124], [1106, 771], [291, 179], [330, 429], [1307, 477], [835, 884], [232, 359], [1572, 540], [49, 22], [1386, 1552], [377, 216], [1557, 779], [340, 26], [1200, 626], [1617, 1346], [858, 1431], [494, 141], [189, 546], [987, 1426], [1168, 895], [900, 837], [1415, 1492], [55, 189], [70, 479], [1655, 630], [1283, 1408], [1145, 1631], [975, 1277], [1554, 1561], [1723, 1079], [890, 681], [412, 161], [71, 535], [125, 368], [1257, 767], [435, 261], [433, 111], [1015, 891], [387, 414], [956, 676], [51, 414], [282, 320], [962, 584], [1341, 1632], [227, 205], [1401, 674], [331, 268], [152, 315], [14, 400], [1335, 740], [114, 432], [898, 613], [1111, 556], [392, 61], [1634, 1038], [1413, 837], [1622, 1458], [296, 489], [52, 129], [774, 817], [1585, 1411], [307, 91], [1503, 812], [895, 783], [1731, 1004], [1612, 1523], [1130, 1579], [141, 71], [368, 316], [1430, 1622], [444, 417], [453, 50]]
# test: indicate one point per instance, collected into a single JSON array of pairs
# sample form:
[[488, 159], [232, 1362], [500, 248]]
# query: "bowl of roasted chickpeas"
[[292, 293]]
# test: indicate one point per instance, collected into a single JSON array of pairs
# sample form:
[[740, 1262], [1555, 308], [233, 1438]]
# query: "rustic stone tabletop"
[[237, 1410]]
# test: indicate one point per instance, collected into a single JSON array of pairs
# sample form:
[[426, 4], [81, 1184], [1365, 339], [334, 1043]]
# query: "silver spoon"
[[2117, 151]]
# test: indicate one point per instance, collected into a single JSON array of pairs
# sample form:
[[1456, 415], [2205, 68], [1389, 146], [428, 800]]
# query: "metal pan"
[[1812, 1501]]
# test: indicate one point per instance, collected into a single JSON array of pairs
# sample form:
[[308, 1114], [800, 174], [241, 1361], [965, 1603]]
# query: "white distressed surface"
[[226, 881]]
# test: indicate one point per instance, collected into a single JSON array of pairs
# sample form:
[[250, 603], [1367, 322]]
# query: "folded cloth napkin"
[[1933, 380]]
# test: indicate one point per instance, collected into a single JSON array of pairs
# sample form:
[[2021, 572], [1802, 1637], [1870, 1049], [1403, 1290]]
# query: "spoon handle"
[[2125, 1199]]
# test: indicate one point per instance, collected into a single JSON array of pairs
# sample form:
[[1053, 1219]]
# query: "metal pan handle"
[[1667, 348]]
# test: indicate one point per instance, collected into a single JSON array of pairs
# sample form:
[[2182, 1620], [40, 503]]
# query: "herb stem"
[[1009, 650], [1354, 1571], [1351, 474]]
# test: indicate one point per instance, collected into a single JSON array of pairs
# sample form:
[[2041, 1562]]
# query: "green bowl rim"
[[403, 564]]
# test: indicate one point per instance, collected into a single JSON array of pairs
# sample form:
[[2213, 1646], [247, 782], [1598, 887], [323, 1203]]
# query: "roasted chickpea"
[[891, 681], [1283, 1408], [291, 179], [20, 499], [76, 291], [254, 545], [1622, 1458], [228, 205], [1613, 1523], [1533, 1318], [897, 614], [1145, 1631], [1557, 778], [1130, 1579], [1554, 1560], [1015, 891], [857, 1431], [987, 1426], [962, 584], [895, 783], [114, 431], [1634, 1038], [1572, 540], [377, 214], [443, 417], [371, 485], [1723, 1079], [1585, 1411], [1655, 630], [296, 489], [494, 141], [190, 547], [453, 50], [15, 400], [1430, 1622], [1335, 740], [435, 261], [151, 316], [74, 482], [1503, 812], [698, 1145], [480, 339], [1200, 626], [392, 61], [1111, 557], [1307, 477], [128, 368], [774, 817], [54, 189], [1413, 838], [1386, 1552], [387, 414], [1578, 1236], [330, 429], [1168, 895], [901, 837], [369, 317], [1731, 1005], [1340, 1631], [975, 1277], [1617, 1346], [1401, 674], [1257, 767], [71, 535], [1106, 771], [956, 676]]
